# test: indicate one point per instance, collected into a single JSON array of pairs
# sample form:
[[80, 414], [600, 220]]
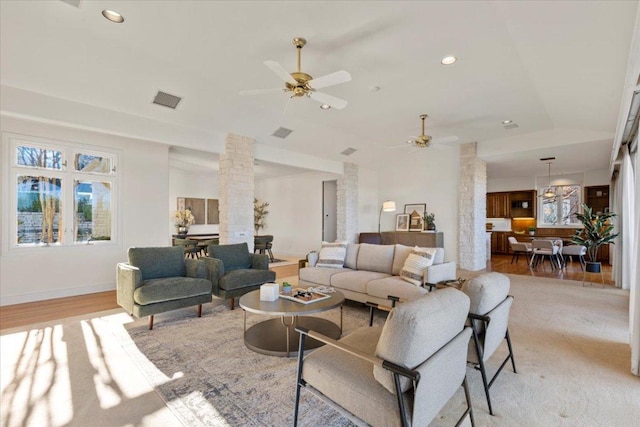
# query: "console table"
[[414, 238]]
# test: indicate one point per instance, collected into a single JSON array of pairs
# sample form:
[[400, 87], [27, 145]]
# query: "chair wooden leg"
[[199, 310], [151, 322], [231, 304]]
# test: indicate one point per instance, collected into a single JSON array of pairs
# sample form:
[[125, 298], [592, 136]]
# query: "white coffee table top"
[[284, 307]]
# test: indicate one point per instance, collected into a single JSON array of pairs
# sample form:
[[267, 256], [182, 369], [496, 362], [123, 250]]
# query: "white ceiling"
[[555, 68]]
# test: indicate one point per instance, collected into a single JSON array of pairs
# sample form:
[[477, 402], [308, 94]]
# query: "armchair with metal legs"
[[402, 373], [519, 248], [489, 319], [545, 249]]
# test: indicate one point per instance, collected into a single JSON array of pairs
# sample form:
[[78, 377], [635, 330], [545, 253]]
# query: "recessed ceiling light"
[[325, 106], [113, 16], [448, 60], [374, 88], [506, 122]]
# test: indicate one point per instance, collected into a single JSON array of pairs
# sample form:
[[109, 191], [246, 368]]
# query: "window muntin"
[[562, 208], [92, 207]]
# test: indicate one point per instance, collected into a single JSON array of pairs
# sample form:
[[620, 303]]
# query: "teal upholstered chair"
[[156, 280], [234, 271]]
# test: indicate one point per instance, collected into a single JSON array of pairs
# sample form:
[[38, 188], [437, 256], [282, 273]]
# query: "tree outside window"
[[562, 208]]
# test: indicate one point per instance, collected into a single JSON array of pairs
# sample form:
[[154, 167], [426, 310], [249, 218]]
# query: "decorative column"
[[347, 216], [236, 188], [472, 202]]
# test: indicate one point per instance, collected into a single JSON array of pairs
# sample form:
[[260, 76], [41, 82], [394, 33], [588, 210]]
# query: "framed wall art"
[[416, 213], [402, 222]]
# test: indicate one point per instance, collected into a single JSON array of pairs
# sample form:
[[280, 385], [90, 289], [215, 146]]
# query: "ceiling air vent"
[[167, 100], [348, 151], [282, 132], [510, 126]]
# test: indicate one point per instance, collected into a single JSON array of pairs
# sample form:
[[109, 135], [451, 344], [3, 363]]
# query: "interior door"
[[329, 210]]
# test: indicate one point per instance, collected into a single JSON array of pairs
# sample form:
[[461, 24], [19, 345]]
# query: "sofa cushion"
[[399, 257], [156, 263], [375, 257], [355, 281], [486, 291], [417, 329], [332, 255], [232, 256], [319, 275], [413, 268], [241, 278], [170, 288], [351, 259], [438, 257], [394, 285]]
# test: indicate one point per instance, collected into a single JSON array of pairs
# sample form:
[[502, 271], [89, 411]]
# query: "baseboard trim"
[[58, 293]]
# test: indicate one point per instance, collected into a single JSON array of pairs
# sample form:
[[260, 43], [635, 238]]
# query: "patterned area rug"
[[208, 377]]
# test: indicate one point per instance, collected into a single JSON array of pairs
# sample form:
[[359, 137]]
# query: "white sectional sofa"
[[371, 273]]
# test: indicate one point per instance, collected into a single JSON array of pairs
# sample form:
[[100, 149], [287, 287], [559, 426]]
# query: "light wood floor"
[[42, 311]]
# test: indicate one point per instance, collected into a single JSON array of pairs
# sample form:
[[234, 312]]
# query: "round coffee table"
[[277, 337]]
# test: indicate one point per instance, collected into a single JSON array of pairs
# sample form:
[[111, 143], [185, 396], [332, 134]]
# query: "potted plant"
[[259, 214], [286, 287], [597, 230], [429, 219], [532, 230]]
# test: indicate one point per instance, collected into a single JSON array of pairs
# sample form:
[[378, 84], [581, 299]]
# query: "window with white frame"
[[560, 204], [63, 193]]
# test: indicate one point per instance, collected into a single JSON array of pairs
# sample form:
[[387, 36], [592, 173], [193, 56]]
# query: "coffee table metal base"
[[270, 336]]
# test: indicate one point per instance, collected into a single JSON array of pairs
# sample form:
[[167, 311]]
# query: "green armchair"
[[234, 271], [156, 280]]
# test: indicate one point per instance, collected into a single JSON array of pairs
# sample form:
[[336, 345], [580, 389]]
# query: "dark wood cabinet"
[[523, 204], [500, 242], [498, 205], [597, 198]]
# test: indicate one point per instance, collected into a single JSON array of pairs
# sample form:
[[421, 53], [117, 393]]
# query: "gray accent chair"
[[156, 280], [402, 373], [489, 320], [234, 271]]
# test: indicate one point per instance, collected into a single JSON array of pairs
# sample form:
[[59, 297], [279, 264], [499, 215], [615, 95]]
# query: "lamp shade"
[[388, 206]]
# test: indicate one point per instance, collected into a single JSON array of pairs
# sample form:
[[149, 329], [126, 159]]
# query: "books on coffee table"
[[304, 296]]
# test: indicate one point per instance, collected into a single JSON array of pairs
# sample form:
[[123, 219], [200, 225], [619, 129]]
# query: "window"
[[54, 204], [561, 206]]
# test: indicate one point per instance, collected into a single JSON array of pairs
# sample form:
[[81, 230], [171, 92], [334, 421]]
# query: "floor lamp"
[[387, 206]]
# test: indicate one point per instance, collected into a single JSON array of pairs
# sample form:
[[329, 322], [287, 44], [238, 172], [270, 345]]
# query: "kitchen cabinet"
[[500, 242], [597, 198], [498, 205], [523, 204]]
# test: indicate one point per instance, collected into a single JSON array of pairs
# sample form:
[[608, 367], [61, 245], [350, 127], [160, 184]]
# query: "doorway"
[[329, 210]]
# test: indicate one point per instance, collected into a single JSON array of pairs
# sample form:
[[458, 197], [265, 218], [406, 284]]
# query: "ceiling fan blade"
[[336, 78], [445, 139], [280, 71], [261, 91], [328, 99], [286, 105]]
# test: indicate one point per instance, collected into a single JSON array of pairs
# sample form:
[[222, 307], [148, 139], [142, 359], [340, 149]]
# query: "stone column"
[[236, 188], [472, 202], [347, 217]]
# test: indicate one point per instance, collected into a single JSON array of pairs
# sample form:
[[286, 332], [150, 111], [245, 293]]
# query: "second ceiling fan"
[[300, 84], [424, 141]]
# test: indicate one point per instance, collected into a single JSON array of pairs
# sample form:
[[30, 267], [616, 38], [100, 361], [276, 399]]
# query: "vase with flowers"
[[182, 219]]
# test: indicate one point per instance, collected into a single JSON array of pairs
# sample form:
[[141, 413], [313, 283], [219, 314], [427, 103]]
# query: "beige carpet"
[[570, 346]]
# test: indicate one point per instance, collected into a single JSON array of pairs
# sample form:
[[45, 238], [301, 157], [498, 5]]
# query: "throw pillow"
[[413, 268], [332, 255]]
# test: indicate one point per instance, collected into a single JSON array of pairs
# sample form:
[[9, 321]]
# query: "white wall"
[[427, 176], [198, 185], [31, 274]]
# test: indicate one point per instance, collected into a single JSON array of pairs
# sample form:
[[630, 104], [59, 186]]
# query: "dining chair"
[[519, 248], [544, 248]]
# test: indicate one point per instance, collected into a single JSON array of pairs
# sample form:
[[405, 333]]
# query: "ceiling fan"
[[424, 141], [300, 84]]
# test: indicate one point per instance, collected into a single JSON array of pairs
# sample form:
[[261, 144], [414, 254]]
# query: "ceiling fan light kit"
[[301, 84]]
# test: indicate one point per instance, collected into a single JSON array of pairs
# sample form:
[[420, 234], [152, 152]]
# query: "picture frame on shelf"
[[402, 222], [416, 213]]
